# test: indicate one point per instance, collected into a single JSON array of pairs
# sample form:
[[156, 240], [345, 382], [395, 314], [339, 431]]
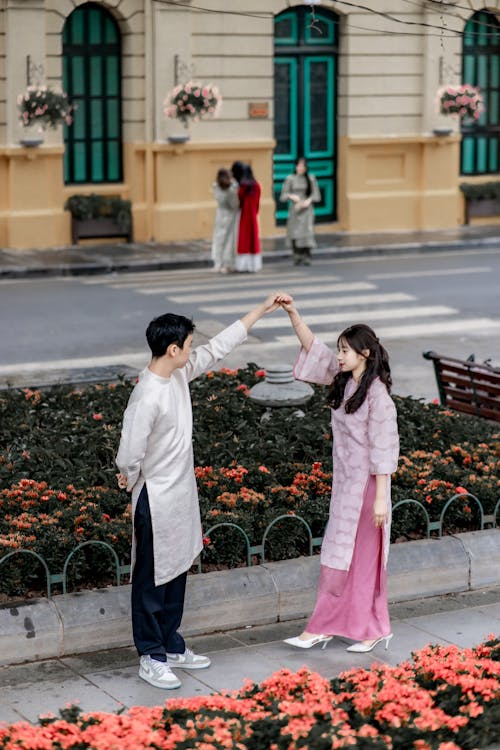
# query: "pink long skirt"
[[354, 604]]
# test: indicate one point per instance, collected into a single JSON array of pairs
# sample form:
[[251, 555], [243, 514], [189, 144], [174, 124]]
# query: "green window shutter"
[[481, 67], [92, 78]]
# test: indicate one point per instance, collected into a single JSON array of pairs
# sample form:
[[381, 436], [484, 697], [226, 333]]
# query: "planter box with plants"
[[96, 216], [482, 199], [59, 487]]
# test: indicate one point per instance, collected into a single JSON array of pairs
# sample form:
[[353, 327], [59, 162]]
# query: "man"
[[155, 460]]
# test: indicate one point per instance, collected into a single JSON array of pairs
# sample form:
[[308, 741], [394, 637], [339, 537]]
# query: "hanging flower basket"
[[192, 101], [464, 102], [45, 107]]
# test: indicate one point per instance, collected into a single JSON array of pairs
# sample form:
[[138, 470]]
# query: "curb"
[[198, 260], [272, 592]]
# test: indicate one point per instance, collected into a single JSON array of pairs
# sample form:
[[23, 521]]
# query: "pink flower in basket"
[[464, 102], [192, 101]]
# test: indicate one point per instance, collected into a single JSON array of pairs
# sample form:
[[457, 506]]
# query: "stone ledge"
[[272, 592]]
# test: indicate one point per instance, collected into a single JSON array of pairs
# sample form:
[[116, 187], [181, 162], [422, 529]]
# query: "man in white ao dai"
[[155, 460]]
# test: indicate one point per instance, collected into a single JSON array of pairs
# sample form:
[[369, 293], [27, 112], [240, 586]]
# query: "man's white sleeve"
[[138, 422], [204, 357]]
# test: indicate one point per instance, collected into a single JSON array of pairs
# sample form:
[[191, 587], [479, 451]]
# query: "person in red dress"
[[248, 255]]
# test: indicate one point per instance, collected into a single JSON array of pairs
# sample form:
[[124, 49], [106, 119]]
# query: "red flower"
[[206, 541], [260, 373], [97, 417], [460, 490]]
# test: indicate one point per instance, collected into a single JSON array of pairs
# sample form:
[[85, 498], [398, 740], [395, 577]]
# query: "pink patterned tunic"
[[365, 444]]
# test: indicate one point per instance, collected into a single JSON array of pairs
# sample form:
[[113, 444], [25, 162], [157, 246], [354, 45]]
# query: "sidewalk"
[[86, 259], [108, 680]]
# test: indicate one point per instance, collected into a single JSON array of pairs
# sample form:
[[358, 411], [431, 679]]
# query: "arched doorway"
[[92, 78], [305, 101]]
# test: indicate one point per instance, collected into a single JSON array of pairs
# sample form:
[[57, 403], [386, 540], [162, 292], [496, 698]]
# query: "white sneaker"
[[188, 660], [158, 673]]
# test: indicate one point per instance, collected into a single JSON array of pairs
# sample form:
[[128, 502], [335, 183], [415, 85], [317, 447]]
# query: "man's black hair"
[[168, 329]]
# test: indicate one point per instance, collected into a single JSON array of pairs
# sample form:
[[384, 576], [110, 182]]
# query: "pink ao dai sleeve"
[[383, 438], [318, 365]]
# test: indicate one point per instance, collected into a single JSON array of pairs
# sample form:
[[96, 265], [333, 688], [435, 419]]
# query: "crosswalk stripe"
[[429, 272], [200, 281], [321, 302], [477, 325], [394, 313], [228, 287], [257, 295]]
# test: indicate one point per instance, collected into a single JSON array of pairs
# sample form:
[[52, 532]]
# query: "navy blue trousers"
[[156, 610]]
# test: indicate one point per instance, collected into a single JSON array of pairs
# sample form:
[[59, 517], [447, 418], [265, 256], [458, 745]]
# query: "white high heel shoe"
[[363, 648], [310, 642]]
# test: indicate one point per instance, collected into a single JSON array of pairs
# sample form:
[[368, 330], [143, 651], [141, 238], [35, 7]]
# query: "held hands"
[[285, 301], [270, 304], [301, 205]]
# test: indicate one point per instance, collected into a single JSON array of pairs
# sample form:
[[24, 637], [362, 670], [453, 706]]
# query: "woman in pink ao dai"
[[352, 589]]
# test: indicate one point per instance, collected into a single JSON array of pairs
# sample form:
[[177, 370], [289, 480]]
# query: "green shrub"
[[59, 489]]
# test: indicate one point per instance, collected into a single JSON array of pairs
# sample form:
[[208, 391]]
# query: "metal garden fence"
[[252, 550]]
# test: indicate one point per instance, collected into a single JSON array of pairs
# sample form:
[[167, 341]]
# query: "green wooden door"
[[305, 76]]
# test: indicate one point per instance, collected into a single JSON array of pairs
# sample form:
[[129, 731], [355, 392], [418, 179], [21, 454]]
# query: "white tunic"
[[156, 448]]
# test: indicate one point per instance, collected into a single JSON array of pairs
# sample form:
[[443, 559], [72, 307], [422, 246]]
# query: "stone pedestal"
[[280, 388]]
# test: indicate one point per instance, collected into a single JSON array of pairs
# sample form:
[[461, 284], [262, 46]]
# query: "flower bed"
[[447, 699], [57, 470]]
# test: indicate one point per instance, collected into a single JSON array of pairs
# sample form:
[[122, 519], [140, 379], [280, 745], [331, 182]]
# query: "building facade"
[[350, 85]]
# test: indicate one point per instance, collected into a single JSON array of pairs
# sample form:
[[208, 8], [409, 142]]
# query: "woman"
[[352, 590], [248, 255], [224, 237], [301, 191]]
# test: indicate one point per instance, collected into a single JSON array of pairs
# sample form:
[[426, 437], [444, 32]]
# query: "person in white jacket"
[[155, 462]]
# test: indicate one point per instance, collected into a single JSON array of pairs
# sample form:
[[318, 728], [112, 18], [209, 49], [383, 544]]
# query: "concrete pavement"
[[93, 258], [108, 680]]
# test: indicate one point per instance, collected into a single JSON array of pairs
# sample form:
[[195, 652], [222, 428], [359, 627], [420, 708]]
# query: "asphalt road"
[[447, 301]]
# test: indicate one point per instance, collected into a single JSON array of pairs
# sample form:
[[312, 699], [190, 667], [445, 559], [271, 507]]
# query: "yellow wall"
[[399, 183], [169, 186], [31, 198]]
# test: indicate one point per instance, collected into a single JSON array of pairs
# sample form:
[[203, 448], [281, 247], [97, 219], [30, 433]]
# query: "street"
[[446, 301]]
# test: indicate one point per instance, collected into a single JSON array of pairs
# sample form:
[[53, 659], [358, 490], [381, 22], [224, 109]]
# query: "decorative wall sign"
[[258, 110]]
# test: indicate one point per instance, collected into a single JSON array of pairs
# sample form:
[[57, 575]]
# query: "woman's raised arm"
[[302, 330]]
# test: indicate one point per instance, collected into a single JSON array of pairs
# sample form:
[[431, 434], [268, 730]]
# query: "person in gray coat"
[[226, 221], [301, 190]]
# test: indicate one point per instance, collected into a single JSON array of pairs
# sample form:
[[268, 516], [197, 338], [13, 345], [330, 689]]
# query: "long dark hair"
[[360, 337], [306, 175], [237, 170], [248, 181]]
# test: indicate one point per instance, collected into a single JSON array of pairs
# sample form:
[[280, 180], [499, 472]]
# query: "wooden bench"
[[467, 386]]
